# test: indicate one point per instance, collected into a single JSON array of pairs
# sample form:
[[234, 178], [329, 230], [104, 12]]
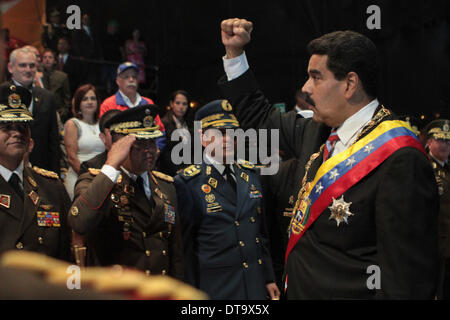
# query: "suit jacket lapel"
[[223, 187], [242, 188], [157, 203], [36, 102], [15, 203], [31, 199]]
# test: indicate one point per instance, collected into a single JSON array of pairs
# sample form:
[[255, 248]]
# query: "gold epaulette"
[[46, 173], [246, 164], [162, 176], [94, 171], [191, 170]]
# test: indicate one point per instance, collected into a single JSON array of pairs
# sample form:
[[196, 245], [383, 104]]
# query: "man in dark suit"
[[44, 129], [364, 224], [57, 82], [86, 46], [99, 160], [68, 64], [33, 201], [126, 211], [220, 210]]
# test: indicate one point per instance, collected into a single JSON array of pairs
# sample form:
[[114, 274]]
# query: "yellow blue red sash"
[[340, 172]]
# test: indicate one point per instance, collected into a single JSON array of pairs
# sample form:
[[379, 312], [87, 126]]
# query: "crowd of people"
[[96, 184]]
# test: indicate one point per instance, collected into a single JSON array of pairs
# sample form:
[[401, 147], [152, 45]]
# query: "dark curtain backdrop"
[[183, 39]]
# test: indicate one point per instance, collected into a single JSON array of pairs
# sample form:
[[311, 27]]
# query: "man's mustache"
[[132, 85], [308, 99]]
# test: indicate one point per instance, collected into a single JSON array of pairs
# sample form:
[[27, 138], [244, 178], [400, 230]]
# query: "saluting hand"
[[119, 151], [235, 35]]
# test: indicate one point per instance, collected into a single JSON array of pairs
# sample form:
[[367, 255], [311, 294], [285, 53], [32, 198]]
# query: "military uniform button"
[[147, 253], [41, 240], [245, 264], [144, 234], [259, 261], [164, 252], [259, 210], [257, 240], [74, 211], [252, 219], [147, 273], [164, 272], [236, 223], [241, 243], [19, 245], [161, 235]]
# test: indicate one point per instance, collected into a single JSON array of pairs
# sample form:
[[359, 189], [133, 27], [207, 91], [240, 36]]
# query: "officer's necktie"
[[228, 174], [14, 182], [329, 145], [139, 183]]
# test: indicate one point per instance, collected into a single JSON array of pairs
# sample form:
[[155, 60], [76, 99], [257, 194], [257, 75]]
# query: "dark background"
[[183, 41]]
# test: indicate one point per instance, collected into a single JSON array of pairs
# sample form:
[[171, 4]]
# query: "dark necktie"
[[139, 184], [228, 174], [14, 182]]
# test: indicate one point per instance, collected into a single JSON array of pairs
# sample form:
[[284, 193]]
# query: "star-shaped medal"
[[340, 210]]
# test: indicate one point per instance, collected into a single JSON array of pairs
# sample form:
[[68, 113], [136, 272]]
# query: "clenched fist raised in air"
[[235, 35]]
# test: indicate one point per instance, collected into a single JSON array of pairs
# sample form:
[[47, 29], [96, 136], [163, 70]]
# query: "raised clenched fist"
[[235, 35]]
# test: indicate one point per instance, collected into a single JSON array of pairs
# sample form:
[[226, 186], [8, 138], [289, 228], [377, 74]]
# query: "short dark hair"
[[105, 117], [349, 51], [78, 97], [49, 50]]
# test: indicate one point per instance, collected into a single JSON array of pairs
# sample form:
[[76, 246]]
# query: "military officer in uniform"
[[33, 201], [438, 145], [126, 211], [220, 212]]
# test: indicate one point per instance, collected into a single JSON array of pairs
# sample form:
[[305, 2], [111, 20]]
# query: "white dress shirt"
[[349, 130], [219, 166], [6, 173]]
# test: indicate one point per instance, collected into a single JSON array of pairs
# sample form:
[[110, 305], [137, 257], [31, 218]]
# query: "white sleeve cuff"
[[110, 172], [235, 67]]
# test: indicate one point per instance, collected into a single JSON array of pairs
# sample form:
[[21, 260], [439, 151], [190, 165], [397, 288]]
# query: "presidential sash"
[[340, 172]]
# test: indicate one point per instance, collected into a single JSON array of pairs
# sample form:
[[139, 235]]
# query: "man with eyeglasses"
[[127, 212], [128, 97]]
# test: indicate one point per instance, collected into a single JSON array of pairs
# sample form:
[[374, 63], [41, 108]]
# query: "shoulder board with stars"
[[246, 164], [162, 176], [190, 171], [46, 173], [94, 171]]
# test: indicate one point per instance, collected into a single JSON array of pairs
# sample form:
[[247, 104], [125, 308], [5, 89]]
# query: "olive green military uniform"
[[124, 227]]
